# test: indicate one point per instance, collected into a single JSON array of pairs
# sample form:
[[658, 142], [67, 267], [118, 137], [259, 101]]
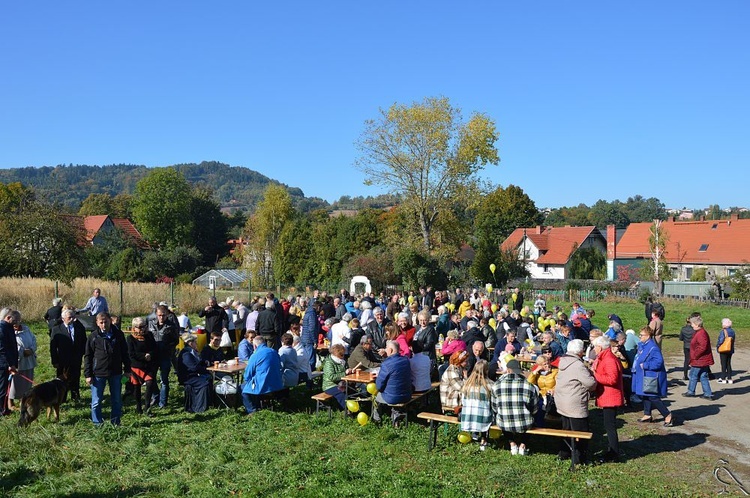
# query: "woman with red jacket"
[[701, 359], [609, 392]]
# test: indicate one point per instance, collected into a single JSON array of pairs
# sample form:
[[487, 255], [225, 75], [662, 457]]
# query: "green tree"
[[577, 216], [427, 155], [415, 269], [640, 210], [209, 227], [162, 208], [14, 197], [38, 241], [605, 213], [263, 230], [588, 263], [739, 283]]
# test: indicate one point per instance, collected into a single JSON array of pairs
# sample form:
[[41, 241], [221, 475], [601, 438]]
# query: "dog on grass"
[[47, 394]]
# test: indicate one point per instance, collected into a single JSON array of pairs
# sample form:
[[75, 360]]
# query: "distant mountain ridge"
[[233, 186]]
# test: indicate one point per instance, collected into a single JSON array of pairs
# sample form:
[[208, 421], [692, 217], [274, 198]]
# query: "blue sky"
[[592, 100]]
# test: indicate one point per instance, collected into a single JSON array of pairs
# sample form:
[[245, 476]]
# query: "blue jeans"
[[115, 393], [696, 374], [165, 366], [251, 402]]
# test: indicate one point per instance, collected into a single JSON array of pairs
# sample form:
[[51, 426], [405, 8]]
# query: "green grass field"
[[294, 452]]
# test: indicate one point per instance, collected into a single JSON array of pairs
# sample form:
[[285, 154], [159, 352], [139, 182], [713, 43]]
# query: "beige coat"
[[574, 383]]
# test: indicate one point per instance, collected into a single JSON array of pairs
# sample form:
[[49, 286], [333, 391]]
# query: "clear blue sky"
[[593, 100]]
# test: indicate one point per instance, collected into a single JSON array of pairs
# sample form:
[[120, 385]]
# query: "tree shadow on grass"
[[661, 443], [131, 491], [18, 477]]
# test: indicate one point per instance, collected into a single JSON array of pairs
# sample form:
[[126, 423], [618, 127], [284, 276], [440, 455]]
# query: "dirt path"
[[726, 419]]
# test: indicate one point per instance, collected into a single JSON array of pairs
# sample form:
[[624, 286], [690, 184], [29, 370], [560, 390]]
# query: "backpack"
[[659, 309]]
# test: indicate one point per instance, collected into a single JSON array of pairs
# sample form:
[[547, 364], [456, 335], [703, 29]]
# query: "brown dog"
[[48, 394]]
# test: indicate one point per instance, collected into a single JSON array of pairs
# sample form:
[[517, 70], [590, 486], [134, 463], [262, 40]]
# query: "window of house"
[[688, 273], [703, 248], [546, 269], [714, 226], [731, 272]]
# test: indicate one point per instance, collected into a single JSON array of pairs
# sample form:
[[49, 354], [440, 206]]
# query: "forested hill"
[[237, 186]]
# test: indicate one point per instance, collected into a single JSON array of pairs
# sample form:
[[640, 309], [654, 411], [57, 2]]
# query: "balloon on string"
[[362, 419], [464, 437], [492, 323], [494, 308], [514, 296], [352, 406], [488, 287], [372, 388], [493, 268], [495, 433]]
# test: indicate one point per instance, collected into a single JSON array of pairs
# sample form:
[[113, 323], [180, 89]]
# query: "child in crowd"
[[476, 410]]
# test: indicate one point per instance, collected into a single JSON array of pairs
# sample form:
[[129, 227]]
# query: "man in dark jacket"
[[106, 359], [8, 356], [66, 348], [216, 318], [393, 382], [267, 326], [53, 316], [166, 336], [376, 330]]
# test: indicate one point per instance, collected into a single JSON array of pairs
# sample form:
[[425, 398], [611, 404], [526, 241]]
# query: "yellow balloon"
[[488, 287], [362, 419], [372, 389], [514, 296], [495, 433], [551, 322], [352, 406], [451, 306], [464, 437], [411, 299], [494, 308], [523, 313], [493, 268], [493, 323]]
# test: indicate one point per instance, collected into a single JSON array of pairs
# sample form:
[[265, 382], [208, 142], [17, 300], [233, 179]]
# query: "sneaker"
[[730, 381], [688, 395], [513, 449], [709, 397], [522, 450], [483, 446], [721, 381]]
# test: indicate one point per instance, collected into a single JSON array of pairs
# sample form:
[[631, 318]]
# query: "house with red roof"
[[719, 246], [96, 228], [547, 250]]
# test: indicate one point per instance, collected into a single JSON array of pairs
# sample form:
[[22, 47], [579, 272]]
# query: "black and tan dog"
[[48, 394]]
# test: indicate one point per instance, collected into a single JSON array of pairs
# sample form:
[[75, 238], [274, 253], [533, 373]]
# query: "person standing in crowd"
[[310, 330], [725, 348], [215, 316], [267, 326], [167, 337], [649, 363], [144, 360], [686, 335], [67, 347], [26, 348], [106, 360], [656, 325], [8, 355], [609, 392], [573, 386], [53, 316], [701, 359], [96, 304]]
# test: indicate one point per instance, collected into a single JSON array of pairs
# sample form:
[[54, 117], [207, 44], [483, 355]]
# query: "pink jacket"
[[451, 347]]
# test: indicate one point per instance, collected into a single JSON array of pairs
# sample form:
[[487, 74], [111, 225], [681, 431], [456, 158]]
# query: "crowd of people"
[[401, 338]]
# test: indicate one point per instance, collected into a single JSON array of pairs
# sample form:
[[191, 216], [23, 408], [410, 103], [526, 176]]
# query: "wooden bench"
[[416, 397], [570, 437], [323, 400]]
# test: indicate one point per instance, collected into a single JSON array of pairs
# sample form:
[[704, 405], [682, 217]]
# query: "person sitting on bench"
[[393, 383]]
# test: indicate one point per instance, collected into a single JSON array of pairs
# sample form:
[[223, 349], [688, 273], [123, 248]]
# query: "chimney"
[[734, 216], [670, 219], [538, 230], [611, 242]]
